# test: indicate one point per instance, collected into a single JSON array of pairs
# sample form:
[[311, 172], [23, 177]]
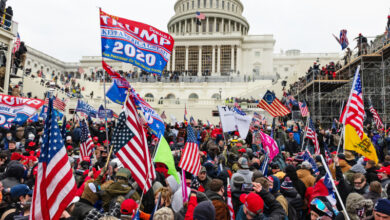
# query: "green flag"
[[164, 155]]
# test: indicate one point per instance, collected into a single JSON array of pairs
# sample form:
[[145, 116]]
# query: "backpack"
[[292, 212]]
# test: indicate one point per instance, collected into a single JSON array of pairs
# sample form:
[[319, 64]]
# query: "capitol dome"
[[223, 16]]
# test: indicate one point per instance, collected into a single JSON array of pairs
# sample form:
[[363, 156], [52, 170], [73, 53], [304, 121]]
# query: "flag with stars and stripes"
[[58, 103], [272, 105], [312, 135], [131, 147], [375, 115], [55, 186], [353, 113], [86, 143], [190, 159], [304, 109], [17, 44]]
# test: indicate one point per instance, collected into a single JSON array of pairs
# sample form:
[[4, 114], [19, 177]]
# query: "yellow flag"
[[363, 146]]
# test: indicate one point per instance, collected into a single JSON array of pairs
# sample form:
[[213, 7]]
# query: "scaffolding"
[[325, 98]]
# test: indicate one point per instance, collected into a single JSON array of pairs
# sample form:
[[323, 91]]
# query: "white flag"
[[228, 121], [242, 122]]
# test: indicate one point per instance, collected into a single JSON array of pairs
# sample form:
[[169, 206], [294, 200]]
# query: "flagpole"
[[304, 133], [334, 187]]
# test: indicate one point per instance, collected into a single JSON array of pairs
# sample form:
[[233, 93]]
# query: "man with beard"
[[360, 184]]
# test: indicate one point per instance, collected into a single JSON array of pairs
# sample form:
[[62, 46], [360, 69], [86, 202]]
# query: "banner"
[[228, 120], [86, 108], [17, 109], [133, 42], [103, 112], [361, 146], [269, 145], [243, 123]]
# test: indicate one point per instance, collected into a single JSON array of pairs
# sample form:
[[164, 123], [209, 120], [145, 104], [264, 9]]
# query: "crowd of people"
[[288, 188]]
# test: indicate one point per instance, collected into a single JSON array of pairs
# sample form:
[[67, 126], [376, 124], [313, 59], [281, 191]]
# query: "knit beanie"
[[164, 213], [204, 211]]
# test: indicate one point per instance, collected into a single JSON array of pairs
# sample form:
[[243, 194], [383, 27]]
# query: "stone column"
[[200, 61], [186, 60], [232, 58], [215, 25], [173, 59], [193, 25], [239, 61], [207, 25], [219, 60], [185, 26], [229, 29], [213, 61], [222, 24]]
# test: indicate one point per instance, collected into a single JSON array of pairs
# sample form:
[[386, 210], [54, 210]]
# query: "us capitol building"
[[217, 59]]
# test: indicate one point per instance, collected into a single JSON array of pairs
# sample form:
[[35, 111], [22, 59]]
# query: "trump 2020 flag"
[[116, 94], [86, 108], [134, 42], [17, 109], [269, 145]]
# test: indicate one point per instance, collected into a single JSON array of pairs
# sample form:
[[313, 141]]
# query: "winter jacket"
[[246, 174], [293, 198], [82, 209], [94, 214], [221, 208], [371, 174], [373, 196], [305, 176], [384, 182]]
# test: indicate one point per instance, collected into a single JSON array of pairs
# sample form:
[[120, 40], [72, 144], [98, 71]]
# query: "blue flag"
[[102, 113], [116, 94], [86, 108], [264, 165], [307, 157]]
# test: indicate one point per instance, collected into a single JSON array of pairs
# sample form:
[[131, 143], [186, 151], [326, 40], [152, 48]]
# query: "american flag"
[[312, 135], [229, 201], [55, 186], [17, 44], [190, 160], [343, 40], [377, 119], [328, 156], [304, 109], [200, 16], [58, 103], [130, 146], [272, 105], [355, 107], [86, 143]]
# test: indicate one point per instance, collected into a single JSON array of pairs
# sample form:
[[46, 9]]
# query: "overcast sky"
[[69, 29]]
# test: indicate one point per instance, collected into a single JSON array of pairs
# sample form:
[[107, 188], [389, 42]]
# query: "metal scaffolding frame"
[[326, 97]]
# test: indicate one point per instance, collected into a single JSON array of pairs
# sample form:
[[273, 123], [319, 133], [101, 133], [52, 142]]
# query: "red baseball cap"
[[95, 138], [253, 202], [67, 126], [69, 147], [385, 170], [128, 207], [242, 150], [102, 128]]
